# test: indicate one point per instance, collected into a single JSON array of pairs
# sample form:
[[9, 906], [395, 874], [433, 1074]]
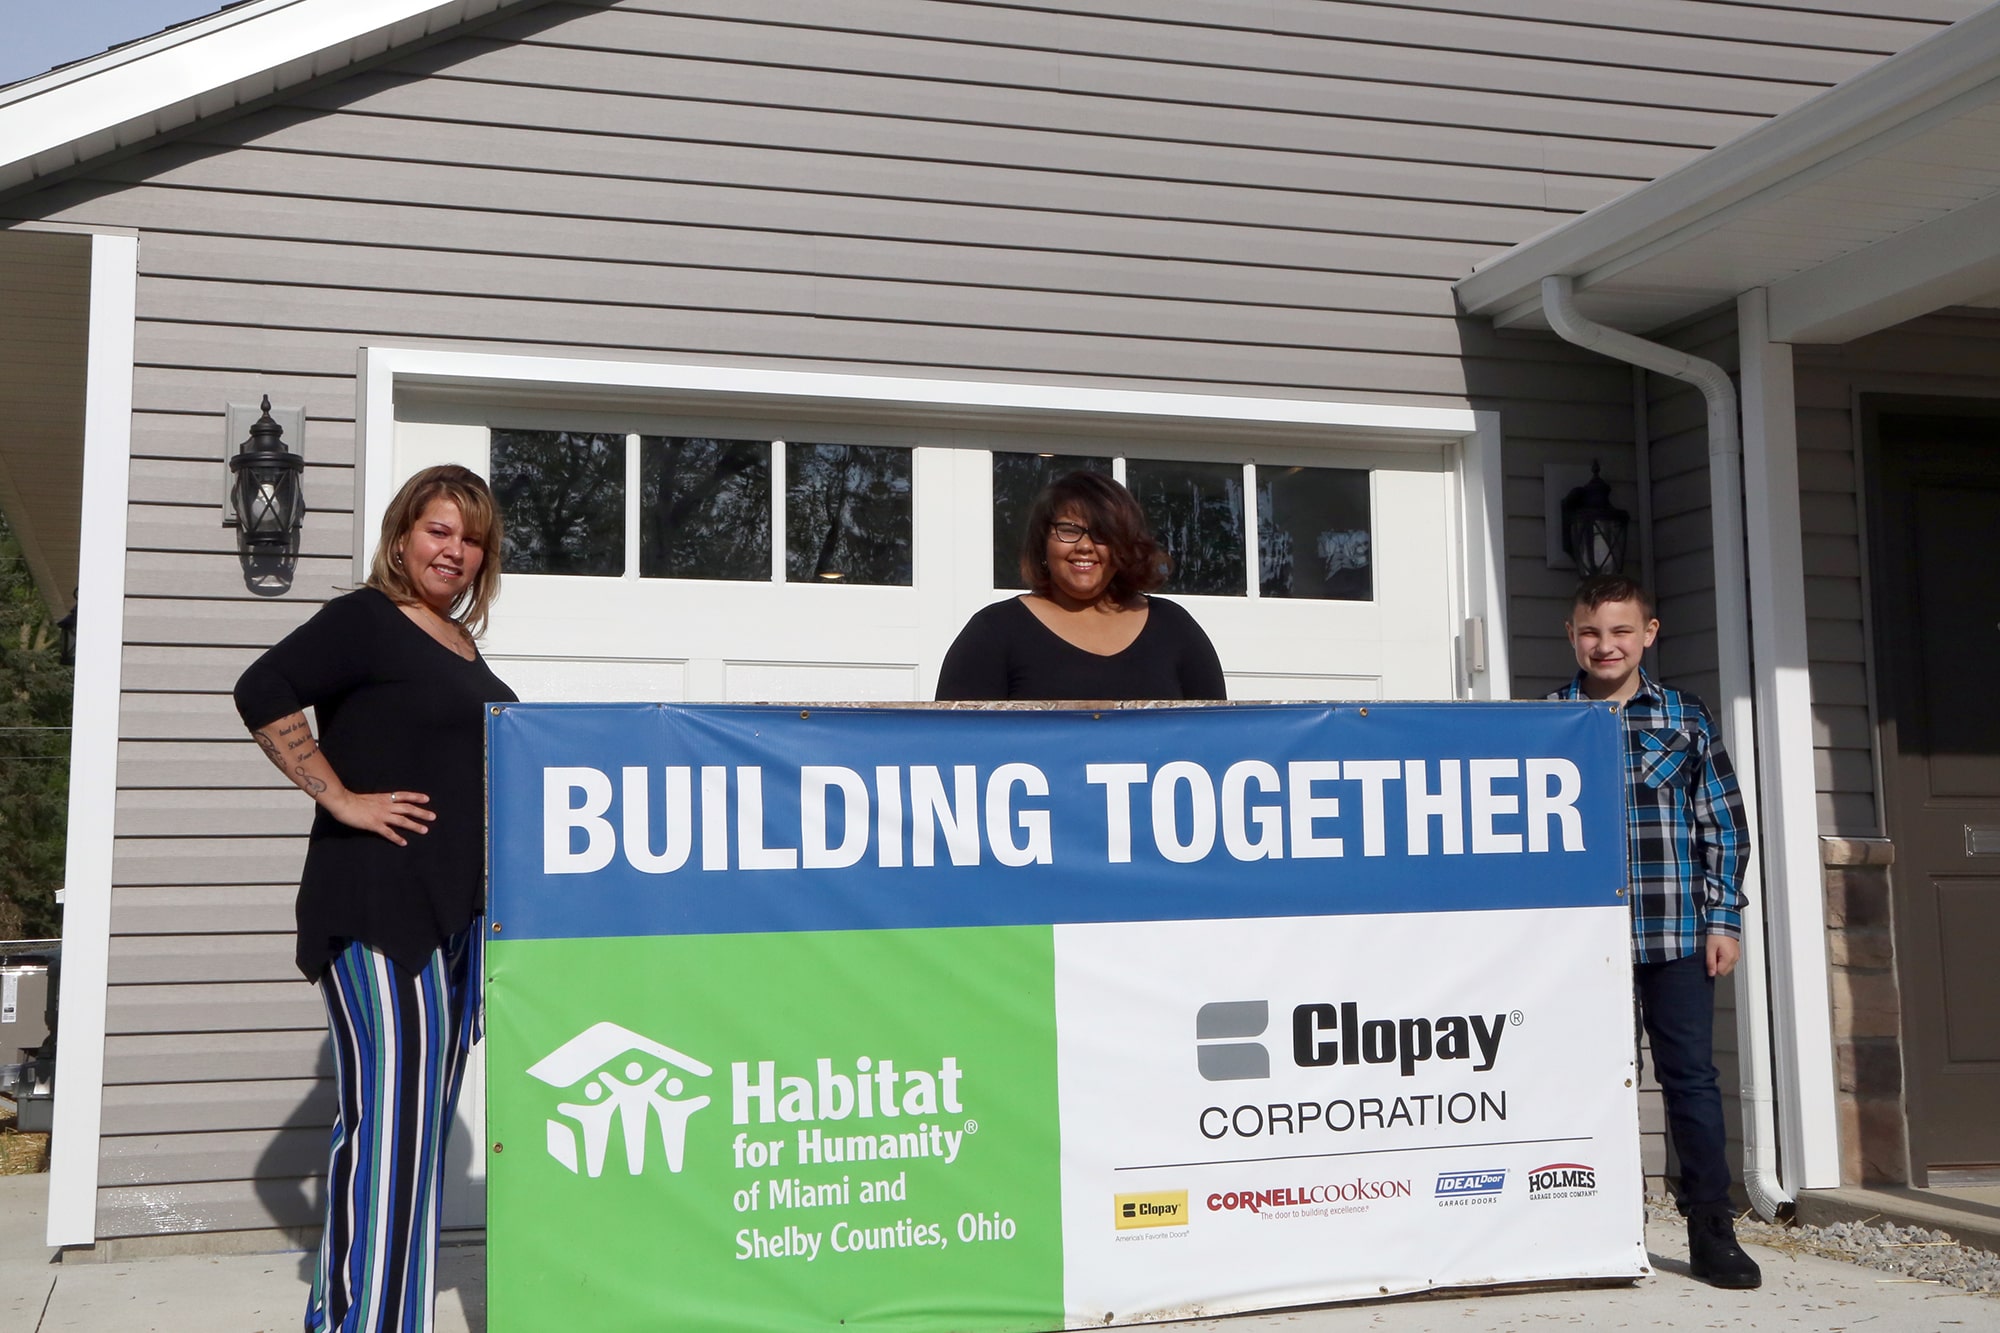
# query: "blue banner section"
[[661, 819]]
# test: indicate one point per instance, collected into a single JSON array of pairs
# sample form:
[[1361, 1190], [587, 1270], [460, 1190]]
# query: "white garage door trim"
[[1469, 439]]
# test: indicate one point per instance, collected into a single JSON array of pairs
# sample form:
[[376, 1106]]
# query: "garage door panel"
[[787, 638]]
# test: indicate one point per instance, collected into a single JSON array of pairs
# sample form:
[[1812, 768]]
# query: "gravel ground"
[[1913, 1252]]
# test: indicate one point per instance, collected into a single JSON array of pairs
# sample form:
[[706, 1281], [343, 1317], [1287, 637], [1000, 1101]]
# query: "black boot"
[[1715, 1257]]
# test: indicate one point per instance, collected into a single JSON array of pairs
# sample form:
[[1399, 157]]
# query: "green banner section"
[[774, 1132]]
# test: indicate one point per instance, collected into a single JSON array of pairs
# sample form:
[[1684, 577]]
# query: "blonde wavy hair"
[[474, 498]]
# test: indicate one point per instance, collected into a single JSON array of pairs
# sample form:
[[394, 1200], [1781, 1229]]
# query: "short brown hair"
[[1115, 522], [1598, 589], [474, 498]]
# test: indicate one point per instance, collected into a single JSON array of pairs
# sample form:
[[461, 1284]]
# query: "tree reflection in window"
[[1196, 513], [847, 514], [1314, 537], [1017, 480], [562, 501], [705, 508]]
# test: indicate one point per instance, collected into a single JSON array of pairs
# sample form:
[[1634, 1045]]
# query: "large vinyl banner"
[[978, 1020]]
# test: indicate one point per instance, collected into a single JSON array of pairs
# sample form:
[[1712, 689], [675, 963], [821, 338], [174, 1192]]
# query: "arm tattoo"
[[305, 781]]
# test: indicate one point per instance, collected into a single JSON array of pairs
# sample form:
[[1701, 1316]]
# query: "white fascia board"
[[93, 746], [46, 121], [1948, 261], [1948, 66]]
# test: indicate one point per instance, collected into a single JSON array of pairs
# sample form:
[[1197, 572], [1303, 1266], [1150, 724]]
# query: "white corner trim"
[[1808, 1128], [93, 756]]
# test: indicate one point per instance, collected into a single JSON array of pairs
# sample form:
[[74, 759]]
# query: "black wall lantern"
[[1594, 529], [265, 498], [267, 494]]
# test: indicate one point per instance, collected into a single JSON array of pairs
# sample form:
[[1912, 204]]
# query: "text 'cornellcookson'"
[[828, 817]]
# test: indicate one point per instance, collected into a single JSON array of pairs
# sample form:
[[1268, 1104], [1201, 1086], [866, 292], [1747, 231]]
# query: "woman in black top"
[[1088, 630], [394, 873]]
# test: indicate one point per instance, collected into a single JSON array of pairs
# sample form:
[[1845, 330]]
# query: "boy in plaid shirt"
[[1688, 845]]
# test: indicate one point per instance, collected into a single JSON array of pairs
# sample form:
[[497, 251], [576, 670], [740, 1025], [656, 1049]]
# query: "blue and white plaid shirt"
[[1687, 838]]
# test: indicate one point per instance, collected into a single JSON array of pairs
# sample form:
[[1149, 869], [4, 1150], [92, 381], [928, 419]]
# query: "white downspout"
[[1732, 619]]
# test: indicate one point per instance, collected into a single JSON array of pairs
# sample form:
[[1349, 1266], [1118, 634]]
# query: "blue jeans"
[[1677, 1009]]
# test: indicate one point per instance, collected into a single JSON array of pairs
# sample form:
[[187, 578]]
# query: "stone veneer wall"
[[1867, 1013]]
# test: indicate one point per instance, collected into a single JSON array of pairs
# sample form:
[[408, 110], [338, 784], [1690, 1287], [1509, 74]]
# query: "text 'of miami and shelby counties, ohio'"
[[715, 818], [877, 1090]]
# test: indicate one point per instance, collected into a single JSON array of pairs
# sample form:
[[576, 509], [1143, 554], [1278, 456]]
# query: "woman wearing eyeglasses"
[[1088, 629]]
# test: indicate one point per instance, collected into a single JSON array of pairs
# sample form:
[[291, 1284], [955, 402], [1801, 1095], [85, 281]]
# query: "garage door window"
[[847, 514], [707, 508], [1017, 480], [1313, 525], [704, 508], [1313, 536], [1196, 512], [562, 501]]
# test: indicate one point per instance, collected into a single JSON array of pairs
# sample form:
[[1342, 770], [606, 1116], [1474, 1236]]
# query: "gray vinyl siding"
[[1683, 552], [1234, 198], [1683, 539]]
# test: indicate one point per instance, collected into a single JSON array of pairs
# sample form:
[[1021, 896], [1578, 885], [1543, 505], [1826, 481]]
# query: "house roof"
[[1871, 204], [156, 84]]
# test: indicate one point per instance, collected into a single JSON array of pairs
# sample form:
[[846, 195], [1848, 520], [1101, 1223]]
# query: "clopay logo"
[[1330, 1034], [608, 1074]]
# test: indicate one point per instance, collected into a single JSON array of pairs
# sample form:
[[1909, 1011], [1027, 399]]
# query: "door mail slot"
[[1982, 840]]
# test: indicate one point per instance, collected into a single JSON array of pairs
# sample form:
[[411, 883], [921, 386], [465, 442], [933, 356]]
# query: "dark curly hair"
[[1115, 521]]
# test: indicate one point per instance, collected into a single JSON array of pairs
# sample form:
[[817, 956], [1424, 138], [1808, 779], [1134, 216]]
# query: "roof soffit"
[[161, 83], [1888, 157]]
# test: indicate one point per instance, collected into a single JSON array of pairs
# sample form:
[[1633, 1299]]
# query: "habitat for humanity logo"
[[614, 1074], [1459, 1188]]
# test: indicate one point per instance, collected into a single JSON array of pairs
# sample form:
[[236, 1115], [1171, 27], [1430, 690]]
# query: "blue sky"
[[41, 34]]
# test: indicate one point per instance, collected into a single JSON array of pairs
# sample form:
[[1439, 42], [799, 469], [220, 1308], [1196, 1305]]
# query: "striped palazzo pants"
[[399, 1045]]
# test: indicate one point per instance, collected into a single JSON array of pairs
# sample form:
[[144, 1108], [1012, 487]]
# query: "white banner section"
[[1258, 1113]]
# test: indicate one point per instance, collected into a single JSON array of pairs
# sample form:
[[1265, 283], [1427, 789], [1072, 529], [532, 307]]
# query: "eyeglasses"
[[1069, 533]]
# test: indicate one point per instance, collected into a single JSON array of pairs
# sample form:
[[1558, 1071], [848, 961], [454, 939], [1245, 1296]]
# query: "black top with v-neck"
[[397, 710], [1006, 652]]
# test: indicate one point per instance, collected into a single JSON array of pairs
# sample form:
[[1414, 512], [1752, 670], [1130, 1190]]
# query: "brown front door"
[[1936, 535]]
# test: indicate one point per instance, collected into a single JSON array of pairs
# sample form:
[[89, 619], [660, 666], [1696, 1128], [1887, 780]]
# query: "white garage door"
[[667, 555], [746, 559]]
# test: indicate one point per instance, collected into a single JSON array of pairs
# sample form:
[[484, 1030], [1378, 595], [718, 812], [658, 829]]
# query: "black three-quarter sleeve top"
[[1006, 652], [397, 710]]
